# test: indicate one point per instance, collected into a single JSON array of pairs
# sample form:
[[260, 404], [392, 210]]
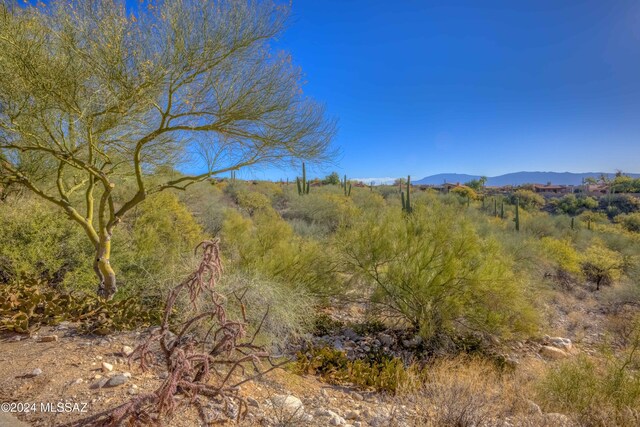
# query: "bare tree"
[[92, 98]]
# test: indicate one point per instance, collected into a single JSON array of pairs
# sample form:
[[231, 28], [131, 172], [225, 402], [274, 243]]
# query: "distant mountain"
[[519, 178]]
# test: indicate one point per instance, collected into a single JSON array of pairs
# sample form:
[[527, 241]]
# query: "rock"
[[352, 415], [78, 381], [97, 376], [126, 350], [562, 343], [337, 420], [98, 357], [116, 381], [126, 374], [253, 402], [337, 344], [132, 391], [559, 420], [163, 375], [413, 342], [386, 340], [307, 418], [357, 396], [379, 421], [99, 384], [107, 367], [322, 412], [533, 407], [48, 338], [552, 353], [36, 372], [289, 403]]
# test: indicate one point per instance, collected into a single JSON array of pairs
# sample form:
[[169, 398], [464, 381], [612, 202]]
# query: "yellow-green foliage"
[[163, 232], [267, 245], [432, 270], [562, 254], [630, 222], [28, 303], [528, 199], [387, 374], [39, 240], [601, 265], [596, 392], [252, 201], [464, 191]]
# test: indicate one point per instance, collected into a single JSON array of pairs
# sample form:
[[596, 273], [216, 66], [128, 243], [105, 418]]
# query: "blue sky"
[[487, 87]]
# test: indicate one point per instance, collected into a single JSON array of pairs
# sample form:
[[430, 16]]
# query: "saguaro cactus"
[[303, 185], [406, 200], [346, 186], [517, 218]]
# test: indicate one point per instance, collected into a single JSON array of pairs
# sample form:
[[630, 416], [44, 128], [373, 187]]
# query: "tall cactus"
[[517, 218], [495, 207], [406, 200], [572, 223], [502, 209], [346, 186], [303, 185]]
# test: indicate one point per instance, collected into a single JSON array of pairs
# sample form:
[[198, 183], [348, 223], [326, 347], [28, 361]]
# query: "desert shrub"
[[267, 245], [572, 205], [39, 240], [432, 271], [600, 265], [465, 192], [387, 374], [467, 393], [327, 209], [596, 392], [630, 222], [366, 199], [252, 201], [287, 310], [562, 254], [308, 230], [527, 199], [616, 204]]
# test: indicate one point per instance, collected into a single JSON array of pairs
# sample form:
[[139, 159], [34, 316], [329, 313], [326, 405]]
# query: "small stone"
[[337, 420], [99, 384], [126, 374], [253, 402], [36, 372], [48, 338], [116, 381], [352, 415], [357, 396], [99, 357], [126, 350], [78, 381], [97, 376], [163, 375], [107, 367], [553, 353], [132, 391], [386, 340], [307, 418]]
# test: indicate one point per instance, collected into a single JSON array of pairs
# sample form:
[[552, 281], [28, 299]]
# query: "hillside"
[[519, 178]]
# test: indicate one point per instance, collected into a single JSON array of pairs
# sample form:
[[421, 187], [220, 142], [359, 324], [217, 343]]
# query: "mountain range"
[[519, 178]]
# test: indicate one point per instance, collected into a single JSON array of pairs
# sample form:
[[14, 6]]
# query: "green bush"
[[596, 392], [266, 244], [528, 199], [630, 222], [384, 375], [432, 271], [601, 265], [37, 239]]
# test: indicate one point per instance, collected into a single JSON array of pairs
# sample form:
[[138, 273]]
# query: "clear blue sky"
[[489, 87]]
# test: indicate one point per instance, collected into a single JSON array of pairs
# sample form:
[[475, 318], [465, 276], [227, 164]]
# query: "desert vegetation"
[[460, 307]]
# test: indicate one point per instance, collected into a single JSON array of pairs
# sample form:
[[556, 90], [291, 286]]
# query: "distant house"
[[552, 189], [596, 188]]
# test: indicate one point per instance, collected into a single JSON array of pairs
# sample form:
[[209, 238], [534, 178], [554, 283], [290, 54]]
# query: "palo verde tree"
[[92, 99]]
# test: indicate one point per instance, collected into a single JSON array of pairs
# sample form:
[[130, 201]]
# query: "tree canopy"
[[92, 97]]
